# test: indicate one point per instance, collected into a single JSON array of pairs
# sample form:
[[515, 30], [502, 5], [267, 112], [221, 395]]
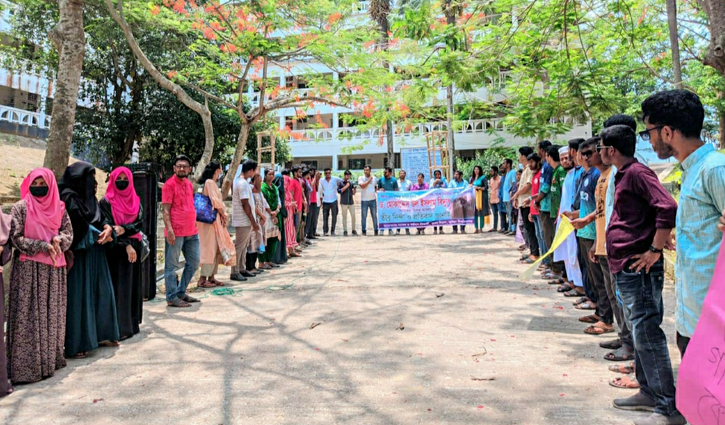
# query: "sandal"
[[614, 344], [216, 282], [81, 355], [586, 305], [624, 382], [206, 284], [564, 288], [620, 368], [597, 330], [589, 319], [619, 355], [558, 281], [190, 299], [574, 293], [178, 303]]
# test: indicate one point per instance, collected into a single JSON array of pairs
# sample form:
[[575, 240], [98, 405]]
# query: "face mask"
[[122, 185], [39, 191]]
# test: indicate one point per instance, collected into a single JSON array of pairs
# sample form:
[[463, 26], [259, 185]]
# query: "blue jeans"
[[494, 211], [189, 245], [643, 311], [510, 213], [540, 237], [373, 206]]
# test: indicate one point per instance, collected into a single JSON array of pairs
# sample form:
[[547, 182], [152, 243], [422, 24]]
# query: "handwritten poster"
[[701, 379], [422, 208], [415, 161]]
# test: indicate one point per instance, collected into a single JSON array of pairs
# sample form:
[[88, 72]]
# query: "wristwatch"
[[655, 250]]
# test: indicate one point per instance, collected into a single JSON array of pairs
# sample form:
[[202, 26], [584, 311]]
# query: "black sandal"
[[190, 299], [176, 302]]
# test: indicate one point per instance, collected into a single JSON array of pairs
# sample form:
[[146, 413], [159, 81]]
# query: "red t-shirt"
[[179, 193], [535, 183]]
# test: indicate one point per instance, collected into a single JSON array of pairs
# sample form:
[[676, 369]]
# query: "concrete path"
[[412, 330]]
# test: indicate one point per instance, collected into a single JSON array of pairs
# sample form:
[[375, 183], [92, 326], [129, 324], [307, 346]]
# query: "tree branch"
[[208, 95]]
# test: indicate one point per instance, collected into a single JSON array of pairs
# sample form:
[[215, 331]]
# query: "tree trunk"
[[238, 153], [674, 41], [69, 38], [178, 91], [449, 125], [715, 10], [389, 129]]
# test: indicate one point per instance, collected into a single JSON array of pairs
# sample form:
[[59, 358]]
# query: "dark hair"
[[367, 167], [267, 171], [421, 175], [553, 152], [575, 143], [544, 145], [437, 171], [480, 169], [209, 171], [285, 172], [306, 171], [249, 165], [494, 168], [679, 109], [534, 157], [389, 169], [526, 151], [592, 141], [621, 119], [622, 138], [347, 173], [296, 168], [313, 169], [182, 157], [509, 161], [327, 169], [519, 172]]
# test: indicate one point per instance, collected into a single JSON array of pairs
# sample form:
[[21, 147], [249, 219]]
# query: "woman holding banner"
[[438, 182], [480, 184]]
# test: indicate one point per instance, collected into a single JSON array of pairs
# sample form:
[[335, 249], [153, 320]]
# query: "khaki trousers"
[[241, 242], [345, 210]]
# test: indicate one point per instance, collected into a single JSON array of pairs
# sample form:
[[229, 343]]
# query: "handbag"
[[145, 247], [204, 211]]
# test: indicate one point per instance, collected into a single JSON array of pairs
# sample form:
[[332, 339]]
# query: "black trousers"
[[328, 208], [312, 215], [530, 228]]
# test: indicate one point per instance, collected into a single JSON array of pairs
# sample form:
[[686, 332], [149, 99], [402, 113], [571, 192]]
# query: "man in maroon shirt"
[[643, 218]]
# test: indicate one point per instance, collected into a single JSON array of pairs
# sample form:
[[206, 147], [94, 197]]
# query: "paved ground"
[[478, 346]]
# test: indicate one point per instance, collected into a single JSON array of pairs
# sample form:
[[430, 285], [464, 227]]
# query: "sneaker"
[[463, 231], [354, 233], [344, 233], [332, 234], [638, 402], [657, 419], [327, 234], [407, 231], [435, 231], [441, 231]]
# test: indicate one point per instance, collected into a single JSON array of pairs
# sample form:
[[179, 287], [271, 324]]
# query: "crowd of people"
[[75, 280], [613, 265]]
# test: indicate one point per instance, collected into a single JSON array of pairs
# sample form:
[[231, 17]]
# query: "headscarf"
[[279, 182], [271, 195], [124, 203], [44, 216], [77, 190]]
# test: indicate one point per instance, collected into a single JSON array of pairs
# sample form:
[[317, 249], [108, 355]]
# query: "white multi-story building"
[[25, 95]]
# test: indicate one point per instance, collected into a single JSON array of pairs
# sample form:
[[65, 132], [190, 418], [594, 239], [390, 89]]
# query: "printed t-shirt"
[[557, 185], [535, 185], [587, 203]]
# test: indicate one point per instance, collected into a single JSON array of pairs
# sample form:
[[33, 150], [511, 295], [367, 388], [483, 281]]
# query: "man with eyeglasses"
[[641, 224], [328, 189], [177, 197]]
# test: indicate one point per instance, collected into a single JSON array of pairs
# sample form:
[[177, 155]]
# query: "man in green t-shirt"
[[557, 183]]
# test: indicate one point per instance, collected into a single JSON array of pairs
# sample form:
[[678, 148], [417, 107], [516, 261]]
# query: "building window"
[[356, 163], [32, 98], [311, 164], [396, 161]]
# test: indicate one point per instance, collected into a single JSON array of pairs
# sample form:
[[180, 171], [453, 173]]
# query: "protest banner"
[[701, 379], [422, 208], [563, 232]]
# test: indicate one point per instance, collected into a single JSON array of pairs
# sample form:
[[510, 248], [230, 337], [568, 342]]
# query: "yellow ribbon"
[[565, 229]]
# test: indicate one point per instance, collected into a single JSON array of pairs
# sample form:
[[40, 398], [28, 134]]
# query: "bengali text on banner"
[[422, 208]]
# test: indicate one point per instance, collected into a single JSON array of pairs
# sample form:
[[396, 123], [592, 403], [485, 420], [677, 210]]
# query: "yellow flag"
[[565, 229]]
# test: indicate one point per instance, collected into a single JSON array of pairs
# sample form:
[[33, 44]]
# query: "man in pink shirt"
[[314, 207], [177, 197]]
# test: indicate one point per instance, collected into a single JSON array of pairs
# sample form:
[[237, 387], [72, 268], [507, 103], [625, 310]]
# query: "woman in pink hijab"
[[122, 208], [41, 234]]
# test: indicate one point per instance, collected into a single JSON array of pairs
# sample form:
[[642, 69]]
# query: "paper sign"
[[563, 232], [701, 379]]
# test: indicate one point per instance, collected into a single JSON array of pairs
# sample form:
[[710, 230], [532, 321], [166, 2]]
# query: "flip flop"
[[589, 319], [614, 344], [596, 330], [190, 299], [586, 305], [619, 355], [178, 303], [564, 288], [624, 382], [619, 368]]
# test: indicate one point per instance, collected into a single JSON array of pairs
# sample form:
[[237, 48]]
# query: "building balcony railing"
[[401, 131], [23, 117]]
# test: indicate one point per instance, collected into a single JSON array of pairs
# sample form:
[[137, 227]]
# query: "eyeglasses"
[[182, 167], [645, 135], [587, 154], [601, 147]]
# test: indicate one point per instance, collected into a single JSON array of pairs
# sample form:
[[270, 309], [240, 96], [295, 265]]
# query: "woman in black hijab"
[[91, 316], [280, 256]]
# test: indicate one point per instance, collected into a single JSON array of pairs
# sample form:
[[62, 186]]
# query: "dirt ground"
[[374, 330]]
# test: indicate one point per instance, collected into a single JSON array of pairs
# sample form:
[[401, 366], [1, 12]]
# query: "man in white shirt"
[[244, 218], [328, 191], [368, 201]]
